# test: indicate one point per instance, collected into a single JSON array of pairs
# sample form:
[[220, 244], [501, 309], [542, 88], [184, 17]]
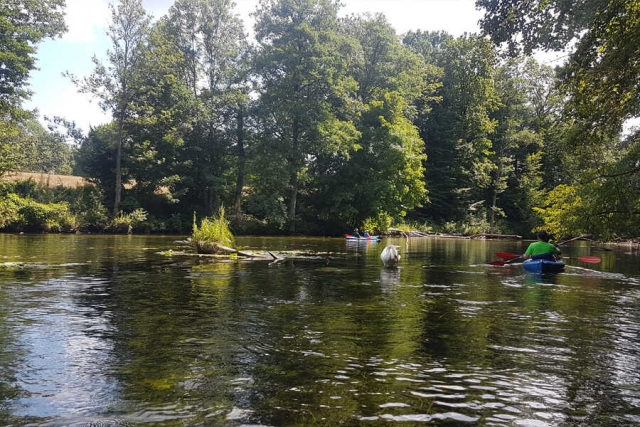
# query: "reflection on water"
[[104, 330], [389, 278]]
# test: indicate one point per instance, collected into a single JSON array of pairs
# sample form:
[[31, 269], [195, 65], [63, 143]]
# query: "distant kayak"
[[543, 266], [351, 238]]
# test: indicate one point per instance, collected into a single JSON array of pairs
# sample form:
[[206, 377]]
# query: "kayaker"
[[542, 249], [356, 232], [366, 233]]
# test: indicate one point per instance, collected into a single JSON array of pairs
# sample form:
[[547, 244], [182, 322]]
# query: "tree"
[[599, 82], [162, 112], [601, 75], [211, 40], [115, 84], [383, 178], [95, 159], [46, 151], [23, 24], [515, 138], [459, 129], [304, 87]]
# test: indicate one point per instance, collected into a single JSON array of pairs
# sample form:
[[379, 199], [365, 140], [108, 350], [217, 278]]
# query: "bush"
[[414, 225], [50, 217], [379, 224], [25, 214], [472, 224], [127, 222], [25, 206], [86, 204], [9, 212]]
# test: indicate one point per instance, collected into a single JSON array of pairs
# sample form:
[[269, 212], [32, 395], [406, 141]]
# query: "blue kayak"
[[542, 266], [351, 238]]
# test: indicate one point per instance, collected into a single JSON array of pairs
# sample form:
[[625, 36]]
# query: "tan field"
[[48, 180], [45, 180]]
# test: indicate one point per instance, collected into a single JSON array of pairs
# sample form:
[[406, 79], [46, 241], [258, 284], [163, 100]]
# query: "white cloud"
[[81, 108], [453, 16], [74, 106], [86, 20]]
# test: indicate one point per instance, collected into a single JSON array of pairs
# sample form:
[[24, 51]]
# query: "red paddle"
[[506, 255], [589, 259], [509, 261]]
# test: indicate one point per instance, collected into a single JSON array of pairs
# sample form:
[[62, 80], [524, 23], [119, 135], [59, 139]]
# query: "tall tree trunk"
[[293, 177], [210, 171], [118, 189], [241, 164], [494, 197]]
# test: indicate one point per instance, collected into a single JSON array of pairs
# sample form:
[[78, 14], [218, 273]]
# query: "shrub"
[[86, 204], [25, 214], [472, 224], [379, 224], [126, 222], [9, 212]]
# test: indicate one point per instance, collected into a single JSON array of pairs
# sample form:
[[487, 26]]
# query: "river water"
[[119, 331]]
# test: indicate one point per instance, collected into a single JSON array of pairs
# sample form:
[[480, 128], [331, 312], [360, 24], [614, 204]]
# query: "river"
[[130, 331]]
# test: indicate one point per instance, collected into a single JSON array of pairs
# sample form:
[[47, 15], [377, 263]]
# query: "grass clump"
[[213, 233]]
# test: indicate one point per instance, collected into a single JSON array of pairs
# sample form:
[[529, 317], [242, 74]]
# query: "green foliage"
[[379, 224], [23, 24], [268, 208], [565, 213], [9, 212], [24, 214], [345, 124], [26, 206], [127, 222], [28, 147], [415, 225], [306, 91], [599, 93], [474, 223], [86, 204], [11, 156], [458, 131], [606, 203], [214, 230]]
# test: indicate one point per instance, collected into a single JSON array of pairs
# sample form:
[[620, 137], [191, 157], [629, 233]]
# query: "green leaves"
[[599, 95], [23, 24]]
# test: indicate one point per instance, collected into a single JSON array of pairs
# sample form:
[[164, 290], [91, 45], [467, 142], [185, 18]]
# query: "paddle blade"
[[498, 263], [506, 255], [589, 259]]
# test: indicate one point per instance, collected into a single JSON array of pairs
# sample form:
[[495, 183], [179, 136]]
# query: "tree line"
[[327, 122]]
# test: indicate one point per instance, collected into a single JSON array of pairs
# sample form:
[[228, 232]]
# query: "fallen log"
[[495, 236], [217, 249], [583, 237]]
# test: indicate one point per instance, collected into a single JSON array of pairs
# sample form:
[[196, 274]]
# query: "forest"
[[320, 122]]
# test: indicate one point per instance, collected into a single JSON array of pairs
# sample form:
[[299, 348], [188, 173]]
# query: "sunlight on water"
[[108, 331]]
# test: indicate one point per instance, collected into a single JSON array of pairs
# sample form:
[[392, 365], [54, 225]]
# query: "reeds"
[[212, 233]]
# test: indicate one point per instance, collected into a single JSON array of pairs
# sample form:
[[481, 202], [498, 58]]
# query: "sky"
[[87, 20]]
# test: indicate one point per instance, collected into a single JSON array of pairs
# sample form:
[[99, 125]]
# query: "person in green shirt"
[[542, 249]]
